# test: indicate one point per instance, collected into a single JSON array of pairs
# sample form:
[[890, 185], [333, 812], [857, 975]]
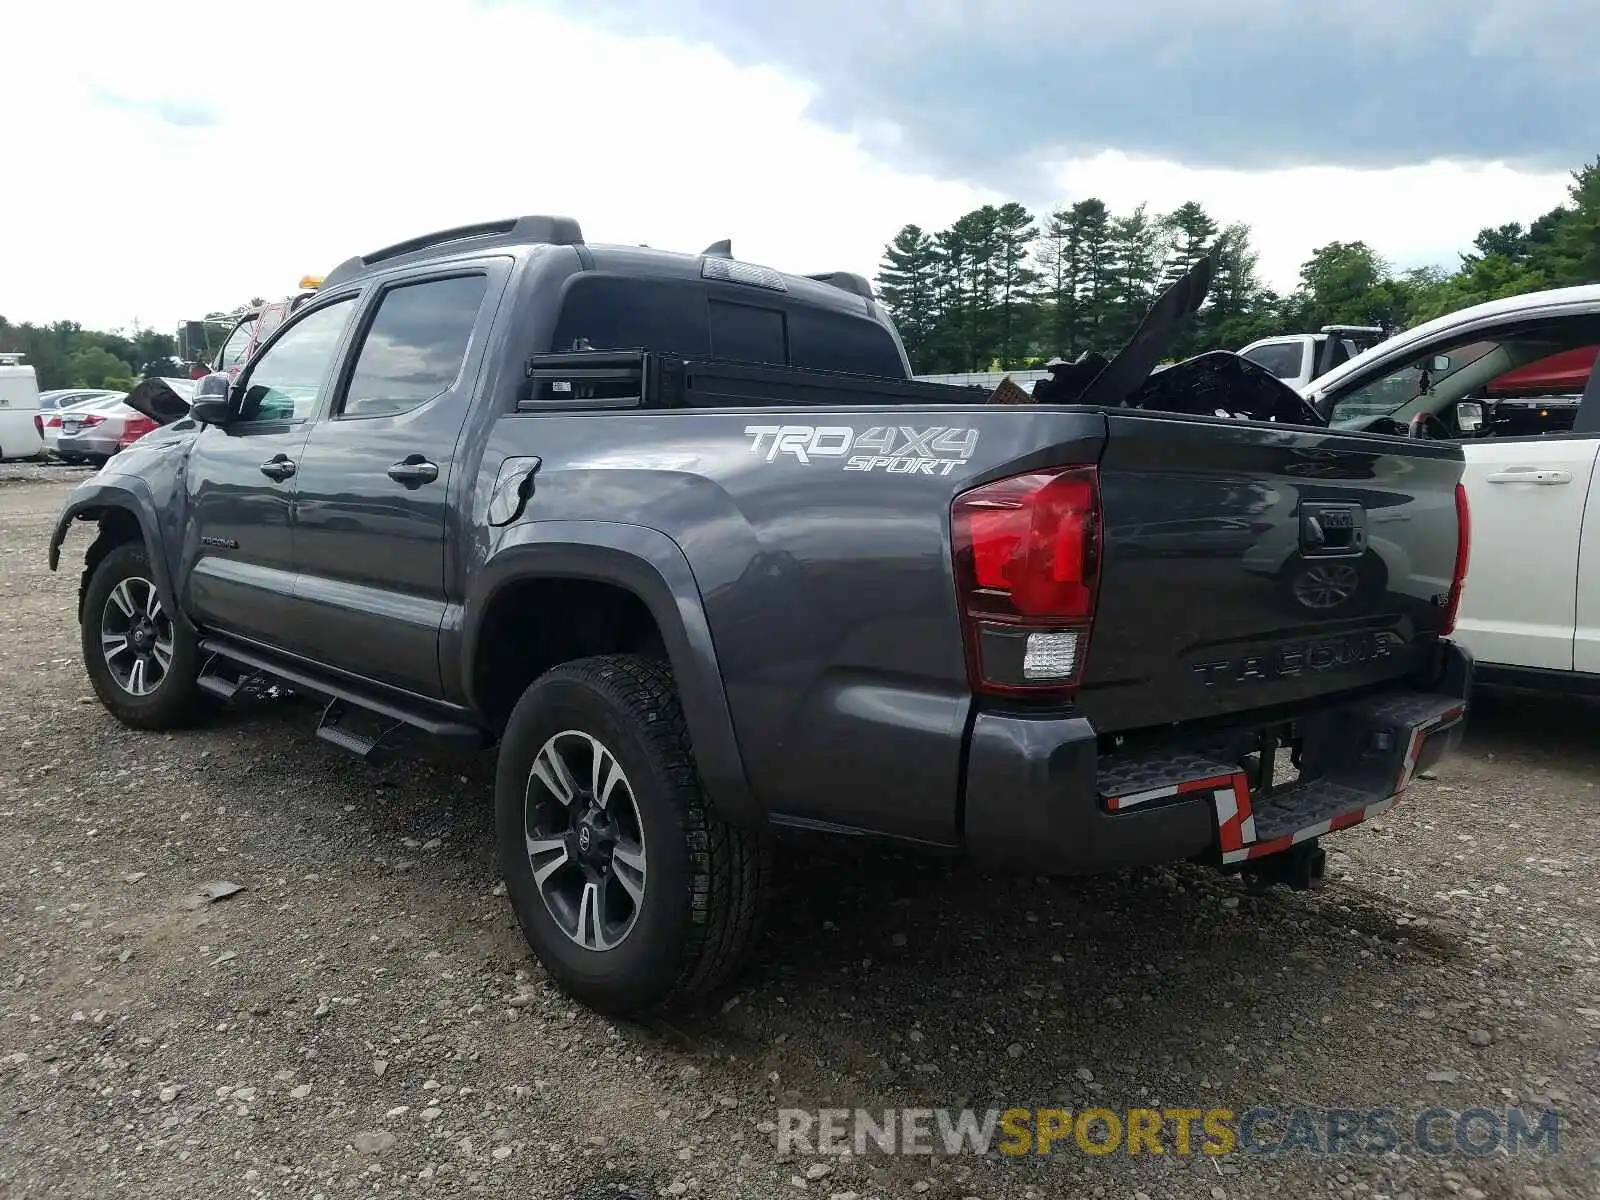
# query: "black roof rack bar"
[[560, 231], [481, 229], [846, 281], [555, 231]]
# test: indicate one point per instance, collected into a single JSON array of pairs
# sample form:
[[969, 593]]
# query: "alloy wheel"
[[585, 840], [136, 637]]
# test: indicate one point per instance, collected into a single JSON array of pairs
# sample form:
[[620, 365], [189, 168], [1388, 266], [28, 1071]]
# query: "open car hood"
[[1219, 383], [162, 399]]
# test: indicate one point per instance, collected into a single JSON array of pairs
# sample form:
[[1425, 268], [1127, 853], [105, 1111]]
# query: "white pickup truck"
[[1514, 382], [1300, 358]]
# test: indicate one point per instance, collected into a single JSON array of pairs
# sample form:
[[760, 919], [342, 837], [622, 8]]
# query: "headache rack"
[[589, 379]]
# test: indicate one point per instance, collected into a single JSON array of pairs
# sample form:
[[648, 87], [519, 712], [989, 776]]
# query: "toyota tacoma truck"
[[681, 537]]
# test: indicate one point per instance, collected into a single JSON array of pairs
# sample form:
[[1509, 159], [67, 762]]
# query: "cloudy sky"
[[173, 156]]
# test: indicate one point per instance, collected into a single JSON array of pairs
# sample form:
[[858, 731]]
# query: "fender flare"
[[654, 568], [92, 499]]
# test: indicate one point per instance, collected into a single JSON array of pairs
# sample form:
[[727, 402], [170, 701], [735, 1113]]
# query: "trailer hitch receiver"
[[1300, 867]]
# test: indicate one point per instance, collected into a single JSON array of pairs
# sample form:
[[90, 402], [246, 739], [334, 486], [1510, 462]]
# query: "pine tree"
[[1241, 309], [1091, 242], [950, 344], [1191, 232], [1016, 284], [1136, 250], [908, 283], [1058, 277], [1576, 244]]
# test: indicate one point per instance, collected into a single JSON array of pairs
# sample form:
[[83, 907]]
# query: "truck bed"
[[816, 513]]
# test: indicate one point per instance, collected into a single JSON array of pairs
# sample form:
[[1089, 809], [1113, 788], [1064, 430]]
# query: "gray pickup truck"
[[680, 535]]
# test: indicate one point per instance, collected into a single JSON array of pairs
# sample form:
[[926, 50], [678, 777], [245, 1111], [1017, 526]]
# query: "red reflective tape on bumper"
[[1202, 785], [1236, 824], [1133, 799]]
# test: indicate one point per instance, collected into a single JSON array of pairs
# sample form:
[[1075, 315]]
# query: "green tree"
[[1136, 257], [97, 367], [1057, 256], [1575, 244], [1241, 309], [908, 281], [1491, 277], [1339, 284], [1190, 232], [1509, 241], [1015, 284]]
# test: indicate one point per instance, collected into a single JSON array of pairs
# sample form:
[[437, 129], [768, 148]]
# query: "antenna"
[[722, 249]]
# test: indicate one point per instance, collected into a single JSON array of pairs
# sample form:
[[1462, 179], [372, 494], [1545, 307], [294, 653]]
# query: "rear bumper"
[[1039, 795], [86, 446]]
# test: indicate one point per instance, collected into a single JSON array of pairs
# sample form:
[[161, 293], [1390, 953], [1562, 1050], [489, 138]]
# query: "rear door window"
[[415, 347]]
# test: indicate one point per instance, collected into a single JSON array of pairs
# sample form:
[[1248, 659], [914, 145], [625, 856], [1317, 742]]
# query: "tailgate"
[[1247, 566]]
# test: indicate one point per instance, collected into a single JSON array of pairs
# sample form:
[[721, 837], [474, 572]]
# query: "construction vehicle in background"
[[239, 340]]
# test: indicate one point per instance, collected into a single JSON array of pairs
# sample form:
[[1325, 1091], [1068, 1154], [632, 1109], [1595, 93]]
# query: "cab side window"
[[234, 348], [415, 347], [286, 378], [1448, 371]]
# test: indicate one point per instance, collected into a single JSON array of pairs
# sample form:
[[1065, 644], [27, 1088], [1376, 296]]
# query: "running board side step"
[[331, 730], [346, 697], [216, 685]]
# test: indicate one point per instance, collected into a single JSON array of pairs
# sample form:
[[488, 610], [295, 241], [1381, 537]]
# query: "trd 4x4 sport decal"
[[895, 449]]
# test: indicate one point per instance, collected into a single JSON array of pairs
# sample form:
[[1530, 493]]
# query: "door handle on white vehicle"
[[1531, 475]]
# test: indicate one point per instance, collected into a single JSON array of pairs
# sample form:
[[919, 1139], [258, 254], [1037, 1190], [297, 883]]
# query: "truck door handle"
[[1542, 475], [413, 470], [279, 467]]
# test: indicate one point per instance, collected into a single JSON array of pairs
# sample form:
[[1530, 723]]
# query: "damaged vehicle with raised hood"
[[682, 539]]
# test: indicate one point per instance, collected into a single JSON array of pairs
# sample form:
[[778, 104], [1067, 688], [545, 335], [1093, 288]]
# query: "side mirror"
[[1469, 416], [210, 403]]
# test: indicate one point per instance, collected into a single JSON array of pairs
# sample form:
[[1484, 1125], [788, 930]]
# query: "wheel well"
[[117, 525], [535, 624]]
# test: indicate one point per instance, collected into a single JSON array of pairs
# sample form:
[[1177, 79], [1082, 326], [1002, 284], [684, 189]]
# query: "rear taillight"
[[38, 423], [133, 429], [90, 419], [54, 423], [1027, 561], [1463, 555]]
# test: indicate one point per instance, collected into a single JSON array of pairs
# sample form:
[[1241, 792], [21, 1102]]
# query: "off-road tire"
[[176, 702], [702, 898]]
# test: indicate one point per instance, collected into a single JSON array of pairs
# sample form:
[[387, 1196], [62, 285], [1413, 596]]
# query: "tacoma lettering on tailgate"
[[1299, 658]]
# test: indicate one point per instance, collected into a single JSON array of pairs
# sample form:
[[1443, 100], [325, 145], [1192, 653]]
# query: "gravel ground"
[[364, 1018]]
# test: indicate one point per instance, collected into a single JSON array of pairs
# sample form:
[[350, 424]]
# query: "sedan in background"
[[55, 400], [66, 397], [93, 432], [50, 423], [99, 429]]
